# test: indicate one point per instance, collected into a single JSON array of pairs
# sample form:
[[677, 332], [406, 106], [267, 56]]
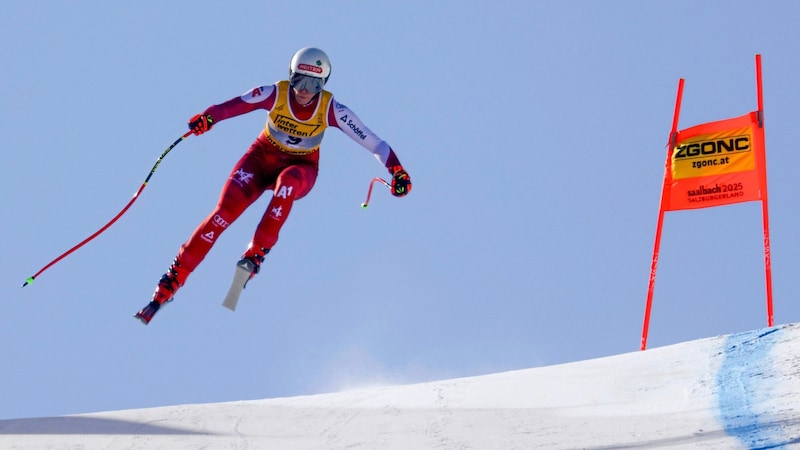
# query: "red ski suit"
[[290, 172]]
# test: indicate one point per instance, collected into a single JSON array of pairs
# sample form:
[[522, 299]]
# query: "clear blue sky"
[[534, 133]]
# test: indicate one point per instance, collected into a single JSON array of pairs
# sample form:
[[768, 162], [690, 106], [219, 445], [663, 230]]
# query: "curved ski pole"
[[111, 222], [369, 192]]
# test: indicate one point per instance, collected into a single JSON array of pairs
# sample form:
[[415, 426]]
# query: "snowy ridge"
[[736, 391]]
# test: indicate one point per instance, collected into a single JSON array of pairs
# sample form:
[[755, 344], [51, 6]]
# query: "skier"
[[284, 158]]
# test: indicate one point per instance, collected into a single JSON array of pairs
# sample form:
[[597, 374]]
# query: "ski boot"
[[251, 261], [170, 282]]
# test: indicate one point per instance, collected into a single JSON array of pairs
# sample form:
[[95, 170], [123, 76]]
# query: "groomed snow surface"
[[727, 392]]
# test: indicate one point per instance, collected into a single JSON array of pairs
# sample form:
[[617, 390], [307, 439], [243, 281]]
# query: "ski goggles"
[[307, 82]]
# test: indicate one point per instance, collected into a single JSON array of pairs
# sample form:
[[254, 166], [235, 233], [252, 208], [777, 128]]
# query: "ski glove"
[[200, 123], [401, 182]]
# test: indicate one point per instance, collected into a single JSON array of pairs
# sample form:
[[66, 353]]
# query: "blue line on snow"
[[744, 383]]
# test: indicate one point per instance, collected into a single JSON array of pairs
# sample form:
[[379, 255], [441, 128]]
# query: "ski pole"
[[135, 196], [369, 192]]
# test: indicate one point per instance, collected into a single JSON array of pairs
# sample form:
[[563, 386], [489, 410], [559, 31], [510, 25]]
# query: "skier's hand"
[[401, 182], [200, 123]]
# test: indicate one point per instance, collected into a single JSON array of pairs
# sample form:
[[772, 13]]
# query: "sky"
[[734, 391], [534, 133]]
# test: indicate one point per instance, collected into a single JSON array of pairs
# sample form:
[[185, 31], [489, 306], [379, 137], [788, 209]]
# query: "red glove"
[[200, 123], [401, 182]]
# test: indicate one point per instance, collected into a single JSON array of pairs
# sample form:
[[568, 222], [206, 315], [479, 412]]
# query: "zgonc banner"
[[715, 164]]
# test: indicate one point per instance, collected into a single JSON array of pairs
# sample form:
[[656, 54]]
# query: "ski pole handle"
[[369, 192]]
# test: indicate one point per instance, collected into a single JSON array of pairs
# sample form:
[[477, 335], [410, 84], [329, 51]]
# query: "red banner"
[[716, 163]]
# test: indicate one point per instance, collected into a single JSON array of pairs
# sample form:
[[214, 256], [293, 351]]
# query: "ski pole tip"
[[364, 205], [28, 281]]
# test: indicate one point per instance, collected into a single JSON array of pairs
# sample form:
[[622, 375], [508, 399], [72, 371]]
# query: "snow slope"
[[737, 391]]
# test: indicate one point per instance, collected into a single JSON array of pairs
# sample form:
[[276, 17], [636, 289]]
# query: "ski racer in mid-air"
[[284, 159]]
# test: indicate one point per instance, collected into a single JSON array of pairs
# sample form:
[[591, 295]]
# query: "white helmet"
[[312, 62]]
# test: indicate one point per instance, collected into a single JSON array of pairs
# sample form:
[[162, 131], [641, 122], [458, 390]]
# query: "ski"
[[240, 277]]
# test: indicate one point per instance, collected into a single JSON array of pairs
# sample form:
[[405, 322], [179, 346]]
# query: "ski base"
[[240, 278]]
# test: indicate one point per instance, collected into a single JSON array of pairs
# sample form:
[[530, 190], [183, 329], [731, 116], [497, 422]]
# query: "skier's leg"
[[293, 183], [240, 191]]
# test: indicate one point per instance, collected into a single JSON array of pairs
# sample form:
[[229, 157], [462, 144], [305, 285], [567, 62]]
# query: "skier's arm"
[[262, 97], [343, 118]]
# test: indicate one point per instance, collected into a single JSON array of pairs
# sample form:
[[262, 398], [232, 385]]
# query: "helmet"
[[312, 62]]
